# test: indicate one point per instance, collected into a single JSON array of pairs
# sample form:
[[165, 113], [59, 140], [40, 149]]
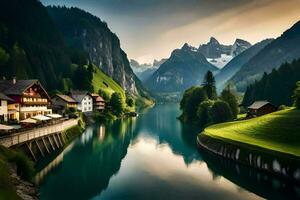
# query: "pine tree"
[[228, 96], [296, 96], [209, 85]]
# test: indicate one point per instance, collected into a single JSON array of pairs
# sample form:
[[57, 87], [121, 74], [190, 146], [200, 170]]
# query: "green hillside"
[[279, 131], [104, 82]]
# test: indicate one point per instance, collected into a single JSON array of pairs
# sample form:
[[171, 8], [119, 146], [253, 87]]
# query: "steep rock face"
[[237, 62], [144, 71], [89, 34], [213, 49], [283, 49], [185, 68], [239, 46], [219, 54]]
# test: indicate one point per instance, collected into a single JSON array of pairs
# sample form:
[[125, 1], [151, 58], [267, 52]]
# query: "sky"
[[152, 29]]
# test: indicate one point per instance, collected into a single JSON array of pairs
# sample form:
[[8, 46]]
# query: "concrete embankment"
[[284, 165]]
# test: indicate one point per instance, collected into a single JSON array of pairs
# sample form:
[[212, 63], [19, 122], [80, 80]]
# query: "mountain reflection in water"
[[153, 156]]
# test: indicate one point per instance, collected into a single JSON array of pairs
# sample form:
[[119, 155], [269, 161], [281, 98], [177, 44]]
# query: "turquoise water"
[[152, 156]]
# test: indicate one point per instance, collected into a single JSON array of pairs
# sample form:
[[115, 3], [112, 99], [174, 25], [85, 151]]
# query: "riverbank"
[[270, 143], [16, 175], [17, 170]]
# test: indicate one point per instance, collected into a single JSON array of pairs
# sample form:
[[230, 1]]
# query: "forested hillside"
[[90, 35], [276, 87], [237, 62], [285, 48], [32, 43]]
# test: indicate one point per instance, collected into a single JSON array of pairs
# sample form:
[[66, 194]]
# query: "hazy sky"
[[151, 29]]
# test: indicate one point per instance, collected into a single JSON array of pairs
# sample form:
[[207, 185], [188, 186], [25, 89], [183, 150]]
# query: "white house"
[[4, 106], [83, 99]]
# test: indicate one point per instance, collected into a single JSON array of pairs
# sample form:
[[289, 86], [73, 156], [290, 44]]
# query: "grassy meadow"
[[279, 131], [101, 80]]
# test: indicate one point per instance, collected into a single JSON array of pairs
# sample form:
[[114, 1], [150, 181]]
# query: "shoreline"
[[273, 162]]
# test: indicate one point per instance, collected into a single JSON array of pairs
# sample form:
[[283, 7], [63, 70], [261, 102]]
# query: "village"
[[26, 104]]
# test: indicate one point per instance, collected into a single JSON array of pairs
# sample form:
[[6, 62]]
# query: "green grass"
[[241, 116], [24, 166], [279, 131], [99, 80]]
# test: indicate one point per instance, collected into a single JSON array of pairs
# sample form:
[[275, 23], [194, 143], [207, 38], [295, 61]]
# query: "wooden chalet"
[[29, 98], [61, 102], [98, 102], [260, 108]]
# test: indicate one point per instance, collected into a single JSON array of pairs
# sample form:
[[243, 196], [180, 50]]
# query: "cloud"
[[156, 27]]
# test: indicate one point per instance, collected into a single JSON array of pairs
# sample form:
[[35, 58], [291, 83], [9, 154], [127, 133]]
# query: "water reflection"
[[153, 156], [262, 184]]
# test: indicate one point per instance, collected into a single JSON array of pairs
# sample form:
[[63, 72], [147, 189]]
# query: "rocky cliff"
[[89, 34]]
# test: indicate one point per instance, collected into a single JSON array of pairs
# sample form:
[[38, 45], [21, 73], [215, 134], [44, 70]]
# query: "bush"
[[104, 95], [117, 104], [221, 112], [25, 167], [296, 96], [130, 101], [282, 107], [232, 101], [203, 112], [190, 102], [72, 116]]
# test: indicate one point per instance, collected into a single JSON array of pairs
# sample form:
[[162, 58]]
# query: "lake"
[[153, 156]]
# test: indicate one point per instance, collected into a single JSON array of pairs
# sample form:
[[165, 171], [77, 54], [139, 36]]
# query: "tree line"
[[201, 104], [276, 87]]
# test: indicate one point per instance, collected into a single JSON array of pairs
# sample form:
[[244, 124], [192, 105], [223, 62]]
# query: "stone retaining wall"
[[277, 163]]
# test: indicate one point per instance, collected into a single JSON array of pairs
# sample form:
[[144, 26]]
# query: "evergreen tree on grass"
[[209, 85], [296, 96], [203, 113], [228, 96]]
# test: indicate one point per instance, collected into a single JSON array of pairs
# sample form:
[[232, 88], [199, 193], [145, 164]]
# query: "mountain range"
[[187, 66], [184, 68], [285, 48], [219, 54], [144, 71], [224, 75]]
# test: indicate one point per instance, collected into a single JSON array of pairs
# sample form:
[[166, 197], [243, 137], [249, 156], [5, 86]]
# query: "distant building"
[[29, 96], [83, 99], [61, 102], [260, 108], [98, 102]]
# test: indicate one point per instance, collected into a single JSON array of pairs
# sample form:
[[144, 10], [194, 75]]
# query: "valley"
[[149, 100]]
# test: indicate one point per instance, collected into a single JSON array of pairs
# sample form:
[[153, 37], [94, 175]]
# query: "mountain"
[[35, 46], [90, 35], [144, 71], [185, 68], [276, 87], [219, 54], [283, 49], [137, 67], [213, 49], [237, 62], [239, 46]]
